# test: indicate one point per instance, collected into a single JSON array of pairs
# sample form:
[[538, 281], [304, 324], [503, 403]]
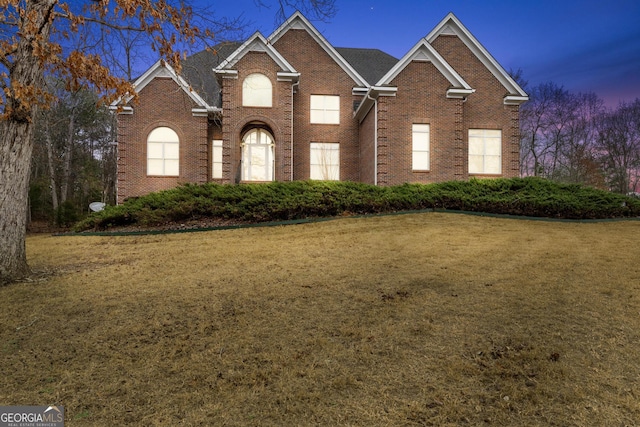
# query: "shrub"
[[308, 199]]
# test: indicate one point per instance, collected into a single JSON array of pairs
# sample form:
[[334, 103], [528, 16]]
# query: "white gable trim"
[[297, 21], [162, 70], [255, 43], [451, 25], [424, 52]]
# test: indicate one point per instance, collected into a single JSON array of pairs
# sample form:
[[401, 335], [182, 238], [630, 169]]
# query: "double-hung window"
[[421, 159], [216, 159], [163, 152], [485, 151], [325, 109], [325, 161]]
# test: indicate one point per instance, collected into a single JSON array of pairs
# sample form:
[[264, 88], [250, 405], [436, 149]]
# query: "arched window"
[[163, 152], [256, 91], [257, 155]]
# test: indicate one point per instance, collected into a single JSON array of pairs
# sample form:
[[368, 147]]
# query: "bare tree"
[[619, 144]]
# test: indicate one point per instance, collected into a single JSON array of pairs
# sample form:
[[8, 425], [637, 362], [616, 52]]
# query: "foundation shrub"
[[308, 199]]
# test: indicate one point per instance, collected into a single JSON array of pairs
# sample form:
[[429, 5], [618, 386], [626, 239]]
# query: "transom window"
[[325, 109], [325, 161], [257, 91], [163, 152], [257, 155], [485, 151], [421, 147]]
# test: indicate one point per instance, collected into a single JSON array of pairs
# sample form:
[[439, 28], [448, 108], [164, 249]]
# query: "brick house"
[[293, 107]]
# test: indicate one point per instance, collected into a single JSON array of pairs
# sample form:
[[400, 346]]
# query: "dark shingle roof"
[[371, 64], [197, 70]]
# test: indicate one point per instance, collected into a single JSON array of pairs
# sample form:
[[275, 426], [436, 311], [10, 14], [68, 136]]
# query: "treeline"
[[74, 157], [574, 138]]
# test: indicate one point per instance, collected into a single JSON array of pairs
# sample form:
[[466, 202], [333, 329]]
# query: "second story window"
[[257, 91], [325, 109]]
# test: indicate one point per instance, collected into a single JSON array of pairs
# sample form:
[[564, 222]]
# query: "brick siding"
[[161, 103], [420, 99]]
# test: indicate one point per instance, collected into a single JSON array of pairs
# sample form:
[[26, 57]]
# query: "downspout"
[[375, 138], [292, 113]]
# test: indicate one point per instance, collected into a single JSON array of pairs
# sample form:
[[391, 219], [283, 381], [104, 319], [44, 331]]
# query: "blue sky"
[[583, 45]]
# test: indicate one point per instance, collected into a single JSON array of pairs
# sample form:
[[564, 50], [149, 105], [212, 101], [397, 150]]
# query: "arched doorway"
[[257, 155]]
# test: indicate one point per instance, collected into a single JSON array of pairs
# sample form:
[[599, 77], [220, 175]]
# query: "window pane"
[[332, 117], [492, 164], [475, 164], [420, 160], [155, 167], [476, 147], [493, 147], [154, 150], [171, 167], [331, 102], [317, 116], [171, 151], [162, 134]]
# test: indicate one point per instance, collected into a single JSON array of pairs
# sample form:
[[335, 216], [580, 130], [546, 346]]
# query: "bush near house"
[[279, 201]]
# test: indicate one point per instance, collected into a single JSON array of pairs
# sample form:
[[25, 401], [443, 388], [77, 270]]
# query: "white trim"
[[299, 22], [255, 43], [515, 100], [370, 98], [284, 76], [424, 52], [452, 25], [162, 70]]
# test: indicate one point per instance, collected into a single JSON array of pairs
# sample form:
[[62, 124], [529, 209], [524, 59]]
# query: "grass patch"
[[308, 199], [420, 319]]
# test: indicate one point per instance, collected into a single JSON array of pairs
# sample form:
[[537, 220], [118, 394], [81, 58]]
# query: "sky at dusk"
[[583, 45]]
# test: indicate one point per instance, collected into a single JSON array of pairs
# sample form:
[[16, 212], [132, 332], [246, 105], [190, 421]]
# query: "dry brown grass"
[[426, 319]]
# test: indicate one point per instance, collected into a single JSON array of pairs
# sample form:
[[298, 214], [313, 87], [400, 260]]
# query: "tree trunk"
[[16, 147], [68, 157], [52, 167], [16, 137]]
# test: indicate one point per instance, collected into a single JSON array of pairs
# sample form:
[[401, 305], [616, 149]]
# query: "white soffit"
[[451, 25], [297, 21]]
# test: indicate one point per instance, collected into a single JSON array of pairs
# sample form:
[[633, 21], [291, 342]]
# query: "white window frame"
[[324, 109], [485, 151], [163, 152], [258, 156], [421, 147], [216, 159], [257, 91], [324, 161]]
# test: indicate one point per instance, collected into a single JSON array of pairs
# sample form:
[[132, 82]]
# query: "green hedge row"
[[307, 199]]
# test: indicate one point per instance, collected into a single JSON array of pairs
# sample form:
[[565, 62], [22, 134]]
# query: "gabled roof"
[[257, 43], [371, 64], [298, 22], [162, 69], [451, 25], [424, 52]]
